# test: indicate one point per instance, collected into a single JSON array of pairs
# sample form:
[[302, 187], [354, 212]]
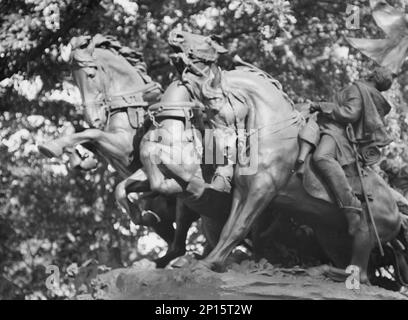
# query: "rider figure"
[[362, 105], [195, 59], [224, 129]]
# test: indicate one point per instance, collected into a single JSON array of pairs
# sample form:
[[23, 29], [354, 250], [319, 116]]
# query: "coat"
[[361, 105]]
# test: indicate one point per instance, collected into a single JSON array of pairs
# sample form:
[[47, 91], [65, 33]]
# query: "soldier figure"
[[363, 106]]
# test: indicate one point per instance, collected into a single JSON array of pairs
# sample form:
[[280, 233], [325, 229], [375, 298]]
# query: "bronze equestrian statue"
[[266, 126], [116, 90], [247, 98]]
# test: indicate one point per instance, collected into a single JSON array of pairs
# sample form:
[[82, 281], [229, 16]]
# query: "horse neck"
[[122, 77], [267, 105], [264, 106], [119, 125], [265, 115]]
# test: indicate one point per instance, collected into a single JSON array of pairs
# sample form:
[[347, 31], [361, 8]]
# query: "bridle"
[[123, 101]]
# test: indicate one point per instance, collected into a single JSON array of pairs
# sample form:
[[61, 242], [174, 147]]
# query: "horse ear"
[[217, 44], [100, 40]]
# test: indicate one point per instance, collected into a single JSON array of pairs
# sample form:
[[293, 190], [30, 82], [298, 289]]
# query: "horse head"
[[191, 50], [108, 76]]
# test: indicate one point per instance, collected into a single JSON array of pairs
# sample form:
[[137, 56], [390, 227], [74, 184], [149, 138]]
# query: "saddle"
[[315, 186], [378, 191], [137, 116]]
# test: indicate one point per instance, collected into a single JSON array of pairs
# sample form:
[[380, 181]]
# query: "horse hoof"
[[51, 150], [318, 271], [364, 279], [150, 219], [202, 265], [180, 262]]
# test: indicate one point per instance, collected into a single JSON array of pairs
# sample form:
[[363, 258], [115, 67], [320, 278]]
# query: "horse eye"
[[91, 75]]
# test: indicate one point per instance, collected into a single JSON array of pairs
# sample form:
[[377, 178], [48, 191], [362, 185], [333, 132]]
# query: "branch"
[[69, 23]]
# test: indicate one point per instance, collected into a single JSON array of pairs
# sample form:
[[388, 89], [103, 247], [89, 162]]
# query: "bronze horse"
[[261, 107], [116, 90]]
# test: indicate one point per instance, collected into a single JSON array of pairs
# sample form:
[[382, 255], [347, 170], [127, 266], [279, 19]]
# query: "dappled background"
[[50, 214]]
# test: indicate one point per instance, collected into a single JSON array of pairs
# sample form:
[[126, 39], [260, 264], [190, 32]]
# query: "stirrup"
[[150, 212]]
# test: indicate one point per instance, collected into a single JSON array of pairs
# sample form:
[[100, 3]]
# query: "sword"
[[352, 138]]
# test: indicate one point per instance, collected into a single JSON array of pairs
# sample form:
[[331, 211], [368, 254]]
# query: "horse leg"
[[166, 176], [212, 229], [55, 148], [264, 227], [121, 195], [245, 212], [207, 250], [165, 230], [184, 218], [151, 157], [158, 215], [155, 217], [115, 143], [185, 169], [362, 244]]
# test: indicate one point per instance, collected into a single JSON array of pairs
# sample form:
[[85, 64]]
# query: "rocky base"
[[245, 281]]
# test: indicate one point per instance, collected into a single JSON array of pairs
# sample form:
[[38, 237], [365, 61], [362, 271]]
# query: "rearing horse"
[[116, 91]]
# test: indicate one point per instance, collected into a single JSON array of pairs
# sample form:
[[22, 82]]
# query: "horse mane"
[[83, 48]]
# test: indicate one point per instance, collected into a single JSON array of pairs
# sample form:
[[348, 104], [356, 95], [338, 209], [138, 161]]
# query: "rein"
[[127, 99]]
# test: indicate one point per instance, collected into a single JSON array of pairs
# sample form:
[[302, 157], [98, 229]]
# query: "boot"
[[336, 179], [305, 149]]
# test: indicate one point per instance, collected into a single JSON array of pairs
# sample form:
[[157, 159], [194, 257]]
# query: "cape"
[[371, 129]]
